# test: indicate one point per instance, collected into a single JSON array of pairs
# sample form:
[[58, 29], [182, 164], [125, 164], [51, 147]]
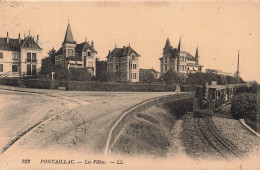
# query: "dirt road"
[[81, 125]]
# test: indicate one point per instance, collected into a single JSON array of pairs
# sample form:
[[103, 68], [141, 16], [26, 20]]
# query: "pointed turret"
[[167, 48], [179, 46], [197, 56], [68, 36]]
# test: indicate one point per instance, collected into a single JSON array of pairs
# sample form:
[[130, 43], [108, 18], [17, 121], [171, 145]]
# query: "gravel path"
[[234, 131]]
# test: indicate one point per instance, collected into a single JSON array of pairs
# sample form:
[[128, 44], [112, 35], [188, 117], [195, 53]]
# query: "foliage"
[[200, 78], [148, 77], [171, 77], [61, 72], [79, 74], [48, 63], [116, 86], [107, 76], [244, 105]]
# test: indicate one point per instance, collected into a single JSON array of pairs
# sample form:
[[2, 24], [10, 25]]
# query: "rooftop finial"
[[29, 32], [115, 45], [129, 44]]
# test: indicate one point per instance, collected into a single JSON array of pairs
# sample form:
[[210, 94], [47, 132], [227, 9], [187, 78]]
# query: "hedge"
[[188, 88], [112, 86], [12, 81], [179, 107], [87, 85]]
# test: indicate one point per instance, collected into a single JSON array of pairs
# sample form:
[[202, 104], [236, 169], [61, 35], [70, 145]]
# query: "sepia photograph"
[[151, 84]]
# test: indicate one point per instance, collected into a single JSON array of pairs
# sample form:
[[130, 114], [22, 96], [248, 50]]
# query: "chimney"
[[37, 40], [86, 40], [115, 45], [19, 38], [92, 43], [7, 38]]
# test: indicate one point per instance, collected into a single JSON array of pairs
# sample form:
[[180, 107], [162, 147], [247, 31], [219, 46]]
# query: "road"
[[36, 120]]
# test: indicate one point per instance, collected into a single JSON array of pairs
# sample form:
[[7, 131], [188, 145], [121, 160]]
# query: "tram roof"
[[216, 87]]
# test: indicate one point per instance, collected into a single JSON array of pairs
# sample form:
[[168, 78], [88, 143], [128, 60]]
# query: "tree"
[[48, 63], [171, 77], [149, 77], [79, 74]]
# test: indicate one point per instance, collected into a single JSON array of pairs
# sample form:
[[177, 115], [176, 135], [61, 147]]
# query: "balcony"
[[30, 60]]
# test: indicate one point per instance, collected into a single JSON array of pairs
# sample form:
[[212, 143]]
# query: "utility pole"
[[238, 68]]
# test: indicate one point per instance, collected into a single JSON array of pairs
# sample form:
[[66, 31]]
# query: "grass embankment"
[[148, 132]]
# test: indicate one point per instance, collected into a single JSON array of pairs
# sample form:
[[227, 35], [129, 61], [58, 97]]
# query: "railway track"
[[211, 134]]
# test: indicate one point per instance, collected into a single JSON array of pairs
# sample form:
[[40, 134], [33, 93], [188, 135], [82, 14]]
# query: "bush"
[[79, 74], [244, 106], [116, 86], [171, 77], [188, 88], [179, 107], [36, 83], [107, 76], [12, 81]]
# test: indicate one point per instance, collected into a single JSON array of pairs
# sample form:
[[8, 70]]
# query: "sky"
[[219, 29]]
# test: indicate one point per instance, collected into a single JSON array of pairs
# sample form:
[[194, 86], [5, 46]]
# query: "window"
[[134, 66], [90, 64], [15, 56], [165, 59], [162, 69], [89, 53], [30, 44], [1, 55], [1, 67], [183, 68], [134, 75], [131, 75], [117, 67], [29, 71], [133, 57], [33, 57], [84, 64], [70, 52], [33, 69], [14, 68], [29, 57], [165, 68]]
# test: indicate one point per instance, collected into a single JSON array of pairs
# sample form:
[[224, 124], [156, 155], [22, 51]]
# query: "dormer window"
[[133, 57], [30, 44], [89, 53]]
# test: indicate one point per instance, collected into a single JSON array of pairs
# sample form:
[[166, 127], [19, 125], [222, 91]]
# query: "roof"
[[68, 36], [59, 51], [84, 46], [121, 52], [167, 48], [14, 44], [187, 55], [216, 87]]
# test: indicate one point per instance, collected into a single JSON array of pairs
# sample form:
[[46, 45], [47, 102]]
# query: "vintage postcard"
[[129, 84]]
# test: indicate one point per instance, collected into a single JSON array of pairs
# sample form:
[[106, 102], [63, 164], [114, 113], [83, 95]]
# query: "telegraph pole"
[[238, 68]]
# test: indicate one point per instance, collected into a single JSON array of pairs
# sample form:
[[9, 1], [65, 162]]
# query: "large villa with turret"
[[179, 61], [73, 55]]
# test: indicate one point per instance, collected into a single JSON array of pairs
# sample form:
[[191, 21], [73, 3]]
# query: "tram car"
[[208, 98]]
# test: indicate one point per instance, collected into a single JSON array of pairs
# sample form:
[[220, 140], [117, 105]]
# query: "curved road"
[[64, 120]]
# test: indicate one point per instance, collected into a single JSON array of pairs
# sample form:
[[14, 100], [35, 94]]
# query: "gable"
[[30, 43]]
